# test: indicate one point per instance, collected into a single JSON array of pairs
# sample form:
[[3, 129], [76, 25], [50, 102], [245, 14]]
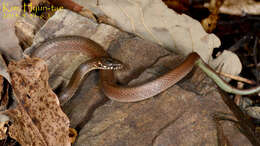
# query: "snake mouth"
[[107, 63], [113, 67]]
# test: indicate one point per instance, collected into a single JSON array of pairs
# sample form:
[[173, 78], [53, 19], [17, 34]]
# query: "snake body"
[[125, 93], [95, 55], [148, 89], [104, 63]]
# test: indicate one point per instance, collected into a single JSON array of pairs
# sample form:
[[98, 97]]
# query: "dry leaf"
[[37, 119], [210, 23], [227, 62], [177, 5], [239, 7]]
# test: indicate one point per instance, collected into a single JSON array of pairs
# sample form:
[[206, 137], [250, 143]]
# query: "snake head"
[[109, 63]]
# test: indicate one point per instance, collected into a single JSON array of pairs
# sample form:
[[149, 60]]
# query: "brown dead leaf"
[[71, 5], [37, 119], [35, 3], [73, 135], [177, 5], [210, 23]]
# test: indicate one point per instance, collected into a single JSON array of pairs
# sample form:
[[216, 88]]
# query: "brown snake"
[[93, 50], [98, 59]]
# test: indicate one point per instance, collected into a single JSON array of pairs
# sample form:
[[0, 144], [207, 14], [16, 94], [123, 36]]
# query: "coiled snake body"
[[98, 59]]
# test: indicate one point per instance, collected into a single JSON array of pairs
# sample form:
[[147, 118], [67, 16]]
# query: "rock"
[[85, 101], [164, 119], [175, 117]]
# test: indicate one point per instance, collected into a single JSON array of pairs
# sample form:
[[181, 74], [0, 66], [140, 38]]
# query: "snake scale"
[[99, 59]]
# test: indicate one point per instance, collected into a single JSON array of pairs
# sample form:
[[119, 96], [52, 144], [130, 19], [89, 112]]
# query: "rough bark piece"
[[38, 118]]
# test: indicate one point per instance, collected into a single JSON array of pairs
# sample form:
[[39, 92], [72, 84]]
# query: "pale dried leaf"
[[240, 7], [227, 62], [38, 118]]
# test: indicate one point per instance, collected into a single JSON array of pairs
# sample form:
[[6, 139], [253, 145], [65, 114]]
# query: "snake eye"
[[109, 61], [99, 64]]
